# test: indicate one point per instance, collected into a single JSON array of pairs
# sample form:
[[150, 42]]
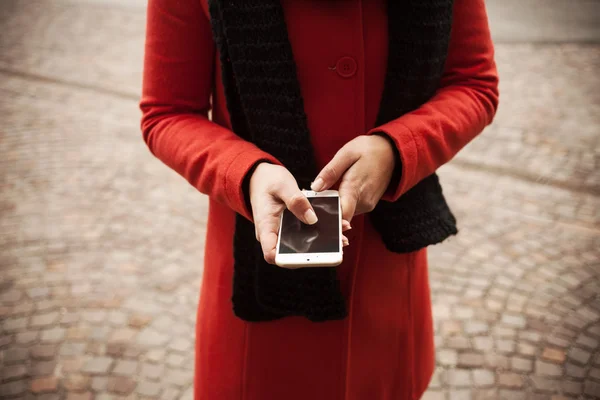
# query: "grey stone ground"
[[101, 245]]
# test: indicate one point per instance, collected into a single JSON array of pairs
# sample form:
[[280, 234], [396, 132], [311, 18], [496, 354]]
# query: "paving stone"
[[458, 378], [558, 341], [26, 337], [48, 396], [94, 316], [595, 373], [151, 338], [591, 388], [44, 320], [447, 357], [510, 380], [147, 388], [44, 384], [470, 360], [587, 341], [53, 335], [475, 327], [96, 348], [71, 364], [460, 394], [77, 382], [436, 379], [15, 355], [13, 372], [506, 394], [126, 367], [123, 385], [116, 349], [572, 387], [547, 369], [42, 368], [175, 360], [80, 396], [98, 365], [117, 318], [493, 360], [170, 393], [517, 321], [526, 349], [14, 388], [15, 324], [579, 355], [11, 296], [451, 327], [99, 383], [483, 378], [505, 346], [533, 337], [181, 345], [188, 394], [545, 384], [520, 364], [179, 377], [70, 349], [429, 395], [139, 321], [5, 340], [43, 352], [504, 332], [78, 332], [123, 335], [99, 333], [483, 343], [152, 371], [69, 318], [554, 355], [38, 292]]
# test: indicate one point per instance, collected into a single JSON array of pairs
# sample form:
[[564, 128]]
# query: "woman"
[[370, 97]]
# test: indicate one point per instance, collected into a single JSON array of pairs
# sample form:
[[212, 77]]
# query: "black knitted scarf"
[[266, 108]]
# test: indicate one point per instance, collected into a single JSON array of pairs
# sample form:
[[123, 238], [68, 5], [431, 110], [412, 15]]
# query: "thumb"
[[297, 202], [348, 200], [333, 171]]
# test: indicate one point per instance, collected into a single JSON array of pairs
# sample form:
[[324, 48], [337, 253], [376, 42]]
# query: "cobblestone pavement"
[[101, 245]]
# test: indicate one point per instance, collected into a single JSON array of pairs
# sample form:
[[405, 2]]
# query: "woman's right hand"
[[272, 190]]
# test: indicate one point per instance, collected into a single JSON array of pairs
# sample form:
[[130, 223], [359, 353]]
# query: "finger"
[[348, 200], [345, 241], [346, 225], [268, 243], [297, 203], [333, 171]]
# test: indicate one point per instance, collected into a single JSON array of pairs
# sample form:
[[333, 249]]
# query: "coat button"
[[346, 67]]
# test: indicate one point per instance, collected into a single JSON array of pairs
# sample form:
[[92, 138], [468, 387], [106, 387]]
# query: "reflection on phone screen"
[[322, 237]]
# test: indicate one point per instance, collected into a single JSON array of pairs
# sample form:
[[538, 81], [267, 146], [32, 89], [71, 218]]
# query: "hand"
[[272, 190], [364, 169]]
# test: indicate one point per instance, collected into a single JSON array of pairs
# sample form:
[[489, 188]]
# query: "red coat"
[[384, 349]]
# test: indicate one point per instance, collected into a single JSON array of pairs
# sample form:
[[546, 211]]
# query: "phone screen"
[[322, 237]]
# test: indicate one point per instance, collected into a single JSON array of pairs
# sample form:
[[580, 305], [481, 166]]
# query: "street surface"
[[101, 245]]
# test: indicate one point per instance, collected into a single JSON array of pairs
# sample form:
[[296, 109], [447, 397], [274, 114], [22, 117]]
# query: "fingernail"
[[345, 242], [346, 225], [317, 185], [310, 217]]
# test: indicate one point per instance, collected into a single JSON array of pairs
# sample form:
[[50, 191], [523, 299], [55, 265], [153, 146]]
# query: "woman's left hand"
[[364, 169]]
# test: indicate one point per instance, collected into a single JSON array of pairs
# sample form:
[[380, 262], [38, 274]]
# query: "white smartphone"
[[319, 245]]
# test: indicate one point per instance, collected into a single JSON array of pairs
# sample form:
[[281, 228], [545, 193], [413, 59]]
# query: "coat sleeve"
[[464, 105], [177, 85]]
